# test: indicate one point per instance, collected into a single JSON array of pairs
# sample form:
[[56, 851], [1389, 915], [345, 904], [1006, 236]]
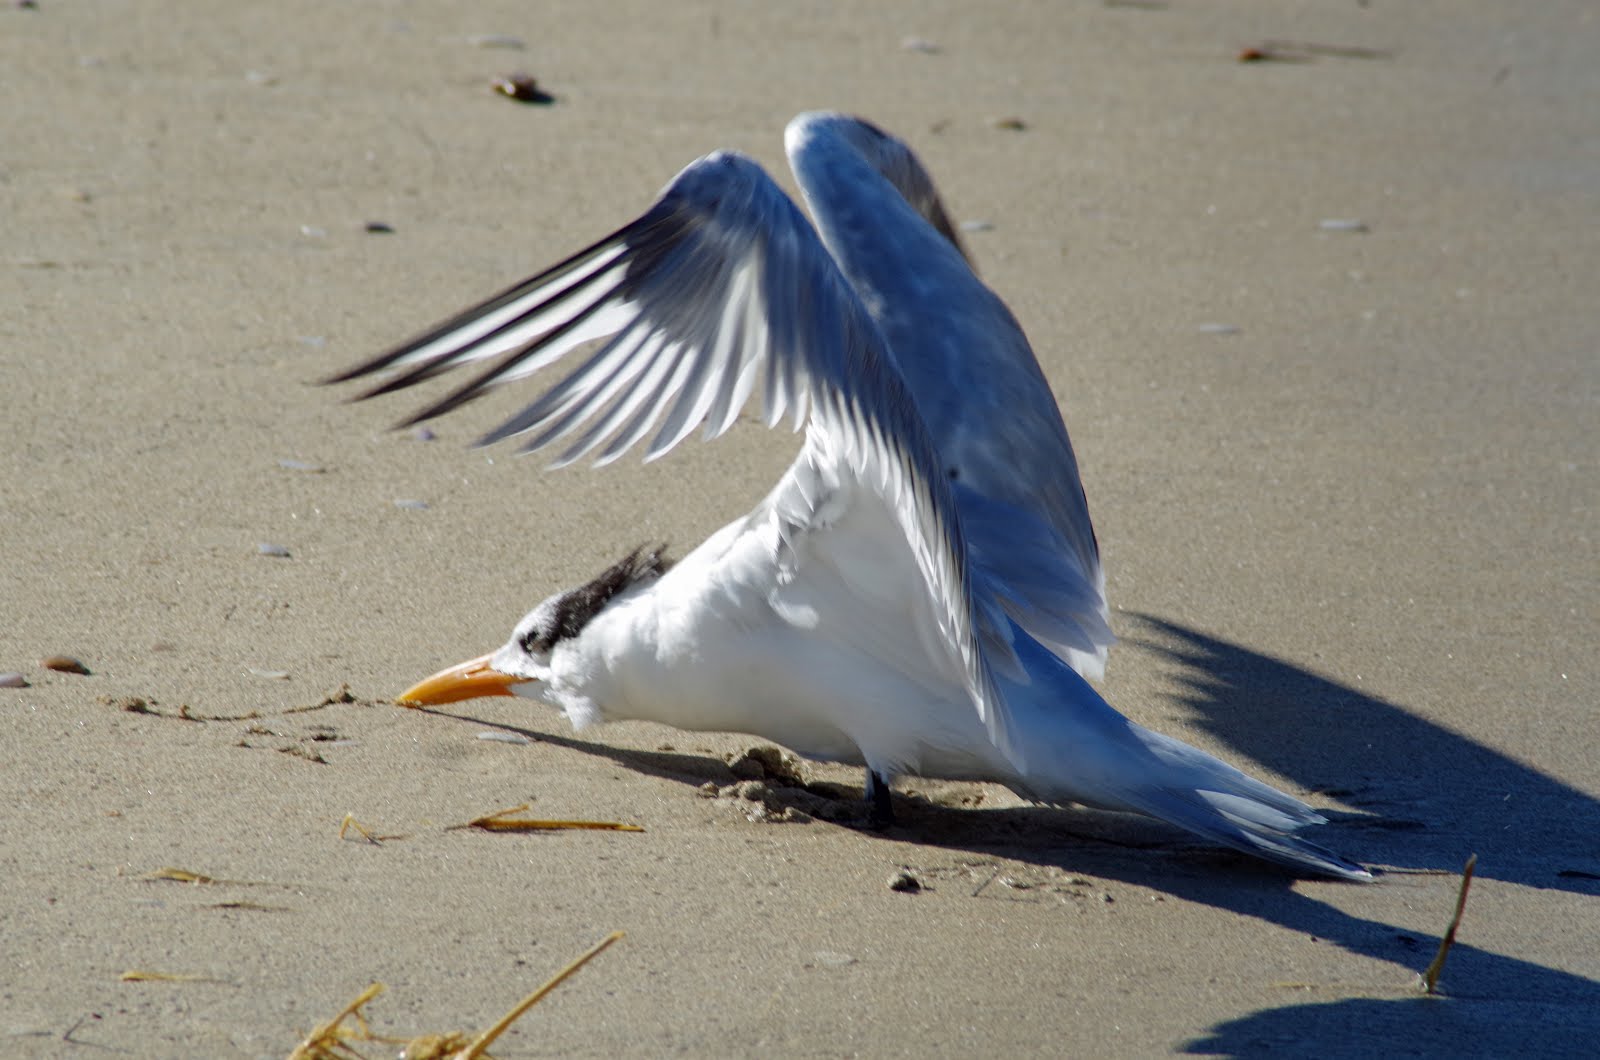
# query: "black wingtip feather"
[[449, 403], [455, 322]]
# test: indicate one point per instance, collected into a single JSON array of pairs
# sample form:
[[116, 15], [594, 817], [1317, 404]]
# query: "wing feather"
[[720, 283], [973, 375]]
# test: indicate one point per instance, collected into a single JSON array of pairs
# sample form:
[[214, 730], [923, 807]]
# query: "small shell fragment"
[[505, 737], [1343, 224], [977, 226], [266, 548], [521, 87], [920, 45], [422, 434], [63, 664], [905, 882], [497, 40], [411, 505], [13, 680], [269, 675], [1218, 329]]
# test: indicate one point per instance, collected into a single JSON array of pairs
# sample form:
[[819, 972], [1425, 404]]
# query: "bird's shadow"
[[1365, 1027], [1425, 797], [1419, 797], [1422, 795]]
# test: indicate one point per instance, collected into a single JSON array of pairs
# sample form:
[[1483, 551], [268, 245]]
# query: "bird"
[[921, 591]]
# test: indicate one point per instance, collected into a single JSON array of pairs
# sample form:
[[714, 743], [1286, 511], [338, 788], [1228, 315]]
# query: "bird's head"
[[524, 663]]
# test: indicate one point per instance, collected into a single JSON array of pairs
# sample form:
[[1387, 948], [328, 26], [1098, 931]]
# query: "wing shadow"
[[1426, 796], [1415, 1026]]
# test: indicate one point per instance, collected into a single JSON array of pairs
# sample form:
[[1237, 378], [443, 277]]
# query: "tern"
[[921, 592]]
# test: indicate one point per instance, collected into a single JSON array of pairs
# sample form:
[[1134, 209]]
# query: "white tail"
[[1077, 748]]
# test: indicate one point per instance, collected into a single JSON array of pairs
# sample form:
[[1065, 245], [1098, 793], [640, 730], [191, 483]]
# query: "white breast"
[[822, 642]]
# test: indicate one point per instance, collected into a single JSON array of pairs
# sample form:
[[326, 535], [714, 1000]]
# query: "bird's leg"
[[880, 811]]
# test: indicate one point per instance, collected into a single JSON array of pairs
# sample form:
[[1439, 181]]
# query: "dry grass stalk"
[[501, 821], [331, 1040], [1430, 977]]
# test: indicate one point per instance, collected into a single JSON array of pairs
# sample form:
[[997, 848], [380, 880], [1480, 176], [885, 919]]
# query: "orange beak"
[[469, 680]]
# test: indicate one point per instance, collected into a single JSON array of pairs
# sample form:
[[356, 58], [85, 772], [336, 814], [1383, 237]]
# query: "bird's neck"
[[636, 660]]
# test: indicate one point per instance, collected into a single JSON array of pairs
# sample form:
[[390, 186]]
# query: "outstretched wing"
[[719, 286], [972, 374]]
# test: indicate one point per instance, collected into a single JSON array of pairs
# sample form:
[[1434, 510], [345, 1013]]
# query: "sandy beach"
[[1323, 326]]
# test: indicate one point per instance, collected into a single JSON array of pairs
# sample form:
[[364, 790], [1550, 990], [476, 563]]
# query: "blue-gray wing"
[[971, 372], [720, 287]]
